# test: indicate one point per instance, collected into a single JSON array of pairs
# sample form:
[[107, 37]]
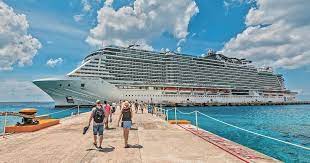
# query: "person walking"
[[142, 106], [98, 115], [107, 109], [113, 108], [126, 117], [136, 106]]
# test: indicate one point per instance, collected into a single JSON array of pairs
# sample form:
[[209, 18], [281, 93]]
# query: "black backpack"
[[98, 115]]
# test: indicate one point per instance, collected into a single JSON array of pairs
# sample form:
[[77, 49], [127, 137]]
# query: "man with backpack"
[[99, 116]]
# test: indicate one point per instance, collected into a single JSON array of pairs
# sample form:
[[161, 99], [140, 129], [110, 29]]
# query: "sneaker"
[[85, 130], [95, 144]]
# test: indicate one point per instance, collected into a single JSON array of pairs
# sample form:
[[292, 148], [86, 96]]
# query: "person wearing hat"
[[98, 116], [126, 117]]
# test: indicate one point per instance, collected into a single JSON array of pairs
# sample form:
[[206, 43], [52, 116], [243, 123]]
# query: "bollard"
[[196, 114]]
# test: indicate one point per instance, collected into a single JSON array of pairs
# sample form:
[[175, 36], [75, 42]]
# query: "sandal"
[[95, 144]]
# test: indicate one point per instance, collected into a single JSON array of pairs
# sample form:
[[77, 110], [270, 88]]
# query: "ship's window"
[[60, 85], [68, 85], [82, 85]]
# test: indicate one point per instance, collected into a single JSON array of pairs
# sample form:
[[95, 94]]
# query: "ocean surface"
[[290, 123], [43, 109]]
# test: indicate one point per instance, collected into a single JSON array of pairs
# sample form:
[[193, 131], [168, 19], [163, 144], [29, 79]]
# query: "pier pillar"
[[175, 115], [6, 114], [196, 117]]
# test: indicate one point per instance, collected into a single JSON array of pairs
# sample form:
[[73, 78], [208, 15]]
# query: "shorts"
[[126, 124], [98, 129]]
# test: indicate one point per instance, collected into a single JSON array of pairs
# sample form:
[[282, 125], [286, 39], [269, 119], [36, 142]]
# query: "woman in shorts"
[[126, 116]]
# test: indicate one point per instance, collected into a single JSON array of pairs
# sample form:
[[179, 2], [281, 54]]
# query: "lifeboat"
[[170, 89], [199, 90], [185, 89]]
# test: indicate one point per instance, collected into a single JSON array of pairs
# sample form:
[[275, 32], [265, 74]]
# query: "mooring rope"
[[258, 134]]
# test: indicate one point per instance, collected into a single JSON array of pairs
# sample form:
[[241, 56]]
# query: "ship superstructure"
[[114, 73]]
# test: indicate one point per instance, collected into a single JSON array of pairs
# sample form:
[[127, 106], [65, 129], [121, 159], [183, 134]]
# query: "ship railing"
[[198, 114]]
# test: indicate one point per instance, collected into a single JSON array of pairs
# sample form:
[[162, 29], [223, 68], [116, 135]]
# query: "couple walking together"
[[100, 114]]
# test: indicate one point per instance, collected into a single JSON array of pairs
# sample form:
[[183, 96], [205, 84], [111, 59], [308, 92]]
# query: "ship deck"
[[152, 139]]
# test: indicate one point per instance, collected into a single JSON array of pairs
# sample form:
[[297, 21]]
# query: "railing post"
[[175, 115], [78, 113], [196, 116], [6, 114], [167, 115]]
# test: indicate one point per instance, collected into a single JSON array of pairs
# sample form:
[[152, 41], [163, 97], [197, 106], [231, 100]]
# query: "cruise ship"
[[116, 73]]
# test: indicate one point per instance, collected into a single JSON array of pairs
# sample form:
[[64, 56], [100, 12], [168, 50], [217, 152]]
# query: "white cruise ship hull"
[[76, 91]]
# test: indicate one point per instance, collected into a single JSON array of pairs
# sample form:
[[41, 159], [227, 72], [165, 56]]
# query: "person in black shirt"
[[126, 116]]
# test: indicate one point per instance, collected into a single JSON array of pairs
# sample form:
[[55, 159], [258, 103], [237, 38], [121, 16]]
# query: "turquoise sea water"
[[289, 123], [43, 109]]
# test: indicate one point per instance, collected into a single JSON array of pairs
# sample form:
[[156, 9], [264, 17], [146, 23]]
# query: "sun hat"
[[98, 102]]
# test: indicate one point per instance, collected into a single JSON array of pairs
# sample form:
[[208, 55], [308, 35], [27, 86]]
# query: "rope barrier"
[[258, 134], [186, 113]]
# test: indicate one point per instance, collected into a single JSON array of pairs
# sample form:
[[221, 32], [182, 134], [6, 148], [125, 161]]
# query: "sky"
[[49, 38]]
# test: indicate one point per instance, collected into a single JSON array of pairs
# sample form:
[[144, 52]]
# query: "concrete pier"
[[152, 140]]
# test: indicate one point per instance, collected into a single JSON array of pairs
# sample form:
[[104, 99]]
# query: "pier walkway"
[[153, 140]]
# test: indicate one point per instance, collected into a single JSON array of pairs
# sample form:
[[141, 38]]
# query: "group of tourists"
[[139, 106], [101, 116]]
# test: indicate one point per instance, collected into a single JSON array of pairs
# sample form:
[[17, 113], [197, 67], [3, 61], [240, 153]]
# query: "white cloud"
[[54, 62], [78, 17], [179, 49], [108, 3], [49, 42], [142, 22], [276, 34], [88, 8], [86, 5], [181, 41], [16, 45], [232, 3]]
